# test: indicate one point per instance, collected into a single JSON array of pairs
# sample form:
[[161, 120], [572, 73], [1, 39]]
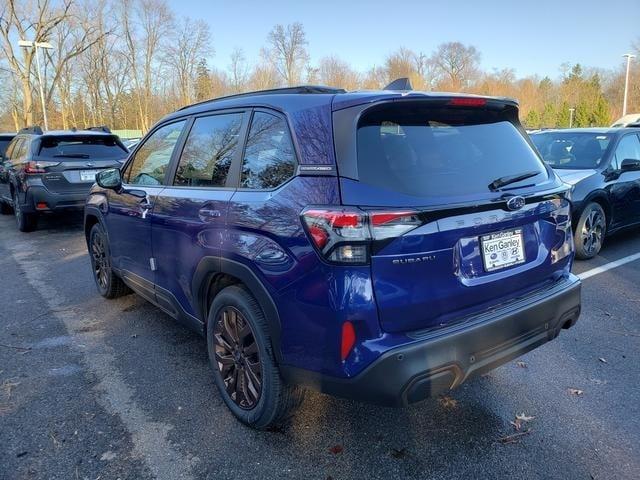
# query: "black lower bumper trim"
[[449, 356]]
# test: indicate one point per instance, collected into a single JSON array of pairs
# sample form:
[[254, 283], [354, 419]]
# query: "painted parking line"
[[609, 266]]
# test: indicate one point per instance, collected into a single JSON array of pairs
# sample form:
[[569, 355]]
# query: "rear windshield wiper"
[[72, 155], [509, 179]]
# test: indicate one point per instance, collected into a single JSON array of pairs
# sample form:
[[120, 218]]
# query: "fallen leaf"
[[448, 402], [336, 449], [520, 419], [602, 360], [575, 391], [108, 456], [514, 438], [521, 364]]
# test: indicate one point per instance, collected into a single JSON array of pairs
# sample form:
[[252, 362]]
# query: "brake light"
[[38, 167], [348, 340], [344, 234], [468, 102]]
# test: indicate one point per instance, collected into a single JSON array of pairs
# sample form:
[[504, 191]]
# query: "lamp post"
[[628, 56], [36, 45], [571, 110]]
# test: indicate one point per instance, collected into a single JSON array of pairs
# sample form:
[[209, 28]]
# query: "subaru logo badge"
[[515, 203]]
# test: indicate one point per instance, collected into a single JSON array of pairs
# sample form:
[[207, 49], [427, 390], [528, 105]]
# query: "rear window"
[[81, 146], [424, 151], [572, 150]]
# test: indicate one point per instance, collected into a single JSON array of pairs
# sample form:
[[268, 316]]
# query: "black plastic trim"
[[449, 356]]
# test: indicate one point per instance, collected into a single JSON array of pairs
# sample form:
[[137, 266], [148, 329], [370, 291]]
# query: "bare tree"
[[188, 44], [238, 71], [146, 24], [28, 20], [337, 73], [287, 52], [457, 65]]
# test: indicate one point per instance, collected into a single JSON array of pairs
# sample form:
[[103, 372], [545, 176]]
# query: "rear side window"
[[209, 151], [628, 148], [269, 158], [152, 158], [81, 146], [424, 151]]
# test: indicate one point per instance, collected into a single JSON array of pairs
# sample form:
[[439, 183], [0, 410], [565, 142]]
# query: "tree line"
[[126, 63]]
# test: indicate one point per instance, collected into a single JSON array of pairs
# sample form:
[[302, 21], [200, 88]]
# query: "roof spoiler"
[[34, 129], [402, 84], [101, 128]]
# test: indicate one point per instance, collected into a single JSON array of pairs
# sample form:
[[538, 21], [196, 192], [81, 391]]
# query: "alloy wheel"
[[100, 263], [237, 358], [592, 232]]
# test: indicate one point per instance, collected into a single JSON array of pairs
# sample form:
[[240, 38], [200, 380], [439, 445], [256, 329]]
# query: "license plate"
[[502, 249], [88, 175]]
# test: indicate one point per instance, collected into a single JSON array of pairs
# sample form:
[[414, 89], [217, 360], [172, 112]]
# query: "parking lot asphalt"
[[91, 388]]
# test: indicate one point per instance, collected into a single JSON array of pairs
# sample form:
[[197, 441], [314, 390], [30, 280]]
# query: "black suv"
[[53, 171]]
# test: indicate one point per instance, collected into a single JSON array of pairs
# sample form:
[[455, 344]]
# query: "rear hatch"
[[69, 163], [463, 214]]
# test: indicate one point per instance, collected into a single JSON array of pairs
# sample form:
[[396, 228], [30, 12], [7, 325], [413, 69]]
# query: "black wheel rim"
[[237, 358], [99, 259], [593, 232]]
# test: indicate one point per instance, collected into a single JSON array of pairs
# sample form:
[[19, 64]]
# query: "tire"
[[26, 222], [247, 356], [5, 208], [108, 283], [590, 231]]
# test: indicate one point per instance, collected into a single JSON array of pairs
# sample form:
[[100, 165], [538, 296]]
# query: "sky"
[[530, 36]]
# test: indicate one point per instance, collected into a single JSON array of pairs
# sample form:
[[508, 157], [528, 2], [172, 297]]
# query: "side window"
[[629, 147], [209, 151], [12, 149], [152, 158], [19, 150], [269, 159]]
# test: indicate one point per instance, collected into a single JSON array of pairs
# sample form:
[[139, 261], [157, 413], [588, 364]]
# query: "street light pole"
[[628, 56], [571, 110], [36, 45]]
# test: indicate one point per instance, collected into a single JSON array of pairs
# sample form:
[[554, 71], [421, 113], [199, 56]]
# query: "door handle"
[[145, 203], [208, 214]]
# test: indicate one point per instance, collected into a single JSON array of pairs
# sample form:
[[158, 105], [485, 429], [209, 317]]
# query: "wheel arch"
[[214, 274], [601, 199]]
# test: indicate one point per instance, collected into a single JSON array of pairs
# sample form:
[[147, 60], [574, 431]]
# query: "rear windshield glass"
[[79, 146], [572, 150], [425, 151]]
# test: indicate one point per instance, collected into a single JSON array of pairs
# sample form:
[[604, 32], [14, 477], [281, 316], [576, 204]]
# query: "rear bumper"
[[54, 201], [443, 359]]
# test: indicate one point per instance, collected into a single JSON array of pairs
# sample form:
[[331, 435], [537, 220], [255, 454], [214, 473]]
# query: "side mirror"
[[630, 165], [109, 178]]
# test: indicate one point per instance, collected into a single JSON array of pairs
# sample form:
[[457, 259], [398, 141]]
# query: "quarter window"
[[269, 159], [209, 151], [152, 158]]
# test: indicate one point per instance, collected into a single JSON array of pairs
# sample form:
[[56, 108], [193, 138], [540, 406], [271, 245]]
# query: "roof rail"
[[101, 128], [403, 84], [34, 129], [302, 89]]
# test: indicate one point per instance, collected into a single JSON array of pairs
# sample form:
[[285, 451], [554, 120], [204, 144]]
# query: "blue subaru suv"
[[382, 246]]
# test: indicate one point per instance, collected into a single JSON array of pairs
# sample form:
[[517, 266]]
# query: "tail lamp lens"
[[344, 234], [38, 167], [348, 340]]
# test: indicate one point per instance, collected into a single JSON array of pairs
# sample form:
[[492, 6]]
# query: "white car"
[[626, 120]]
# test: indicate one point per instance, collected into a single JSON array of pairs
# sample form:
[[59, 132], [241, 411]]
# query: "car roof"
[[69, 133], [290, 99]]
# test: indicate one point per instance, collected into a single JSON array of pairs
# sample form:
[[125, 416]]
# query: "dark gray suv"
[[43, 172]]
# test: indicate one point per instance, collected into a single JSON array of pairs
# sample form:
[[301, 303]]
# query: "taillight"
[[468, 102], [38, 167], [345, 234]]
